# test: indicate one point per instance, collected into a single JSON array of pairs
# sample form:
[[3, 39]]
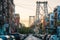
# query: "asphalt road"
[[30, 37]]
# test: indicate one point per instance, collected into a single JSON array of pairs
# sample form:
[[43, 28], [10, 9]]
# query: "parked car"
[[23, 36], [12, 37], [1, 39], [53, 37], [48, 36], [4, 37], [16, 35]]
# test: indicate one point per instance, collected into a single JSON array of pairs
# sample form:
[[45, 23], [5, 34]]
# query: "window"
[[52, 23], [59, 10], [59, 16], [52, 17]]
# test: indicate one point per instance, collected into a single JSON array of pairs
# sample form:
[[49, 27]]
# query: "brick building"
[[6, 14]]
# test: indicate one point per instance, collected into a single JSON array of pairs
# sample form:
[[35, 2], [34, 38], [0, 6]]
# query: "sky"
[[26, 8]]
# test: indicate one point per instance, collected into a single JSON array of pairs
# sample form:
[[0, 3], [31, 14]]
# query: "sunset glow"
[[27, 8]]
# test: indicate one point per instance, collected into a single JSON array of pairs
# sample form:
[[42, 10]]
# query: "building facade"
[[51, 20], [17, 21], [58, 13], [6, 15]]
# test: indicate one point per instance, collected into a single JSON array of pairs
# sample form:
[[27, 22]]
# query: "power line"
[[24, 7], [49, 7]]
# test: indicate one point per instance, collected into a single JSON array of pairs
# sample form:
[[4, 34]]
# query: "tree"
[[58, 23], [25, 30]]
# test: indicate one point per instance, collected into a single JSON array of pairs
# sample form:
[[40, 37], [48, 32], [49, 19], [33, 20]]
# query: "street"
[[29, 19], [31, 37]]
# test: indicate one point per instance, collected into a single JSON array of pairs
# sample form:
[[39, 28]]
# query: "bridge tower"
[[45, 10]]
